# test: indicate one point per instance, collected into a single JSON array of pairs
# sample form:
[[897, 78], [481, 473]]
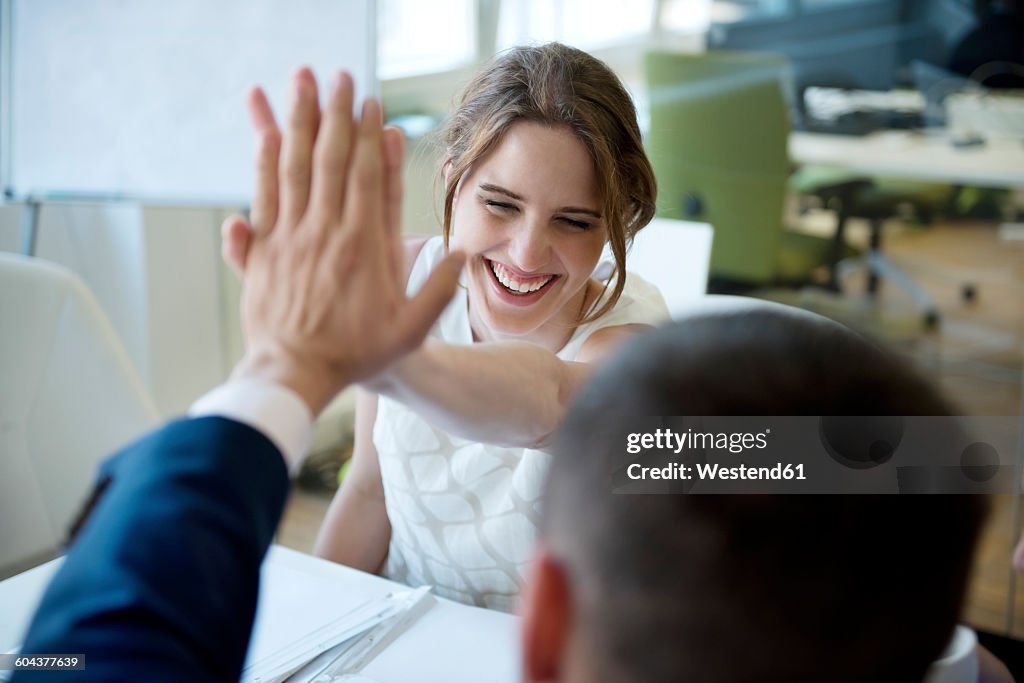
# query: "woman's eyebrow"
[[579, 209], [488, 187]]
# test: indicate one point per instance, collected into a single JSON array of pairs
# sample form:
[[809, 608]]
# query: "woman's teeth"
[[514, 284]]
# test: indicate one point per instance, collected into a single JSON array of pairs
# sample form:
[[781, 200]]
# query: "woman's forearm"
[[506, 393], [355, 531]]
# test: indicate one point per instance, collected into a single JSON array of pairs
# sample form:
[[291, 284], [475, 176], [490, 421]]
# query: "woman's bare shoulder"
[[412, 245], [605, 340]]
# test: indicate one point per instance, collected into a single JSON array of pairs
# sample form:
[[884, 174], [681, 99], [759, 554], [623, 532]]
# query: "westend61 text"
[[707, 472]]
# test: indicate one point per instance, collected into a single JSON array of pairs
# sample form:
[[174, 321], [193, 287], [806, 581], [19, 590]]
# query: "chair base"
[[878, 267]]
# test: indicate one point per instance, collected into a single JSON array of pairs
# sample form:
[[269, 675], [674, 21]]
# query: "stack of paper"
[[301, 616], [342, 662]]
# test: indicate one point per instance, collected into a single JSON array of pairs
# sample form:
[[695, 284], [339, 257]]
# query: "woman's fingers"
[[394, 152], [235, 237], [297, 148], [268, 151], [420, 313], [331, 152]]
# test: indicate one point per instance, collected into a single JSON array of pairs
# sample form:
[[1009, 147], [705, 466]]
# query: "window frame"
[[433, 91]]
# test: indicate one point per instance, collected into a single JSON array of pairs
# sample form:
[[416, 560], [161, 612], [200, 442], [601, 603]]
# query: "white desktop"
[[302, 597]]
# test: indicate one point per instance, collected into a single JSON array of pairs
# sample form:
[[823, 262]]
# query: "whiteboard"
[[145, 99]]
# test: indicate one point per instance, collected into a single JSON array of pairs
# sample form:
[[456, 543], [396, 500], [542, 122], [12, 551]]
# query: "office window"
[[733, 11], [586, 24], [418, 37], [596, 23], [685, 16]]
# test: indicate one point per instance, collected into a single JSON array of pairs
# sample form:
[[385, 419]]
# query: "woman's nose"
[[530, 247]]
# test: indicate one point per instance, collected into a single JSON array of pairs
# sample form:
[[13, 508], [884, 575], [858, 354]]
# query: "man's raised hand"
[[322, 306]]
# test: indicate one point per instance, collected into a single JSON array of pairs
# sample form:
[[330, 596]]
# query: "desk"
[[451, 642], [916, 156]]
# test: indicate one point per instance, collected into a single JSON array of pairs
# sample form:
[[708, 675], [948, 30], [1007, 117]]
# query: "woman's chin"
[[504, 329], [512, 324]]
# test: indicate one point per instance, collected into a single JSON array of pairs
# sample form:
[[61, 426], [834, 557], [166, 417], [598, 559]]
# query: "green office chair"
[[718, 143]]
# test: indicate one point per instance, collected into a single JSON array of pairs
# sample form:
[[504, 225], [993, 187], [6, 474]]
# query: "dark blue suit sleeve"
[[161, 583]]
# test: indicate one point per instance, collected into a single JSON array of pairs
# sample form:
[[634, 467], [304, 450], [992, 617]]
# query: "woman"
[[544, 166]]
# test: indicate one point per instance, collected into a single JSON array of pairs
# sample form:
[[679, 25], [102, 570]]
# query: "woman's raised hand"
[[322, 303]]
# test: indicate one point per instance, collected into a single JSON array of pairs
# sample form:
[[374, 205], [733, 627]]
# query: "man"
[[742, 588], [161, 582]]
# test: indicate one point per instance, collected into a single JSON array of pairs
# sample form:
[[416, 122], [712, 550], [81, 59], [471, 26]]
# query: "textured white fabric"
[[464, 514], [267, 407]]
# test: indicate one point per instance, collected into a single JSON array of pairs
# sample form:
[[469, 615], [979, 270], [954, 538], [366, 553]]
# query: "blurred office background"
[[157, 274]]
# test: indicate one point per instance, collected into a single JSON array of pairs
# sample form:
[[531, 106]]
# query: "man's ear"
[[546, 619]]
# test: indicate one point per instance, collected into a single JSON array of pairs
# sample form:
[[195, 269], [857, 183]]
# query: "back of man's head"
[[753, 588]]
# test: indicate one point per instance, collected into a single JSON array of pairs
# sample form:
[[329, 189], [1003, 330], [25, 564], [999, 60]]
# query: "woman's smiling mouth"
[[517, 286]]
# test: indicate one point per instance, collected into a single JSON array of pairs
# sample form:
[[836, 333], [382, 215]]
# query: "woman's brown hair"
[[558, 85]]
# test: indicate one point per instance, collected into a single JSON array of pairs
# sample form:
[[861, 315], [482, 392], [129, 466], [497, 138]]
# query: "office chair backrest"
[[70, 397], [718, 143]]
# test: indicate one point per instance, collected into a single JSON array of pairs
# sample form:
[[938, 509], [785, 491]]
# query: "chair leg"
[[874, 250], [880, 268], [836, 254]]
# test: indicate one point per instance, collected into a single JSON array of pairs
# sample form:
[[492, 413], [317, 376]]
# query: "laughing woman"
[[543, 167]]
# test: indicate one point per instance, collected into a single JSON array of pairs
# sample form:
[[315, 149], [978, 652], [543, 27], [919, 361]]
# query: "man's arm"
[[161, 583], [162, 580]]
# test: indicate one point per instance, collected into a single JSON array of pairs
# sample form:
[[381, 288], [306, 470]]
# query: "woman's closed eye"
[[580, 225], [500, 206]]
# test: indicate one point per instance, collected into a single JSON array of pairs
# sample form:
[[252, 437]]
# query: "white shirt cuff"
[[271, 409]]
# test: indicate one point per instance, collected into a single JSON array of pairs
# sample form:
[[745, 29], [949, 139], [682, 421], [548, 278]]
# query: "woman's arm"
[[506, 393], [356, 530]]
